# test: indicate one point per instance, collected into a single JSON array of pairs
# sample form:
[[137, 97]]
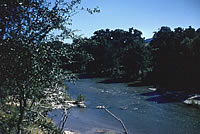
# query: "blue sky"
[[145, 15]]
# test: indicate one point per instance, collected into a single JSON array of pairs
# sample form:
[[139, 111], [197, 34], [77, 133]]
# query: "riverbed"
[[143, 111]]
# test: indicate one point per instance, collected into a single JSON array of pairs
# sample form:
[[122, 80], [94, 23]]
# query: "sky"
[[145, 15]]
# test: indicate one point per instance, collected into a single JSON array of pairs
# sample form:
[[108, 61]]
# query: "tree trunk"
[[22, 109], [20, 117]]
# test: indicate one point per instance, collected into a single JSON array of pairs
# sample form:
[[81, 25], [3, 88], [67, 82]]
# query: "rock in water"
[[194, 100], [81, 105], [70, 132]]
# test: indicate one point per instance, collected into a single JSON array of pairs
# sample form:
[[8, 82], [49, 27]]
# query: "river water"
[[142, 111]]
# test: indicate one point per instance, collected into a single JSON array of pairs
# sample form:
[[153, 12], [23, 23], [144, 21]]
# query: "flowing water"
[[142, 111]]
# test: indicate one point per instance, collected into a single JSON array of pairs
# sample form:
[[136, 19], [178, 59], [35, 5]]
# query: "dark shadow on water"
[[150, 93], [115, 80], [164, 97], [139, 84]]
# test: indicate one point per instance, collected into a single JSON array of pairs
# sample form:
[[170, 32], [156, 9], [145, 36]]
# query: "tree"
[[35, 19], [80, 57], [117, 53], [32, 74], [31, 69], [176, 58]]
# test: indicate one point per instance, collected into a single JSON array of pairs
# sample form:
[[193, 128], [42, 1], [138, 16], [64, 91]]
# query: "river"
[[142, 111]]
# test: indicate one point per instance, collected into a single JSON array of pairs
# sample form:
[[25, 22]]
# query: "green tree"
[[176, 58], [135, 58], [31, 72], [117, 53], [80, 57]]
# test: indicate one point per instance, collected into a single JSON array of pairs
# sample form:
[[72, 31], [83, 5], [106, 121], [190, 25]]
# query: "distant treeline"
[[170, 59]]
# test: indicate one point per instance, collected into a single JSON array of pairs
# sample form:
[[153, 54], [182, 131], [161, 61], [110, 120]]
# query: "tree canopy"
[[116, 53], [176, 57], [170, 59], [31, 70]]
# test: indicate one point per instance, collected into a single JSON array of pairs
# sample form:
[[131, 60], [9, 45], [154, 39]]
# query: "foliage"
[[80, 98], [170, 60], [79, 56], [116, 53], [28, 70], [31, 70], [176, 59], [33, 20]]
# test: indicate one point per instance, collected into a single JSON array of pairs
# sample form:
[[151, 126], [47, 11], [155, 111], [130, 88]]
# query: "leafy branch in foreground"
[[28, 70], [31, 72]]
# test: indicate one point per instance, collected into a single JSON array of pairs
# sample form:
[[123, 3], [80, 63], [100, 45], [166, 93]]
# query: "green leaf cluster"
[[32, 71]]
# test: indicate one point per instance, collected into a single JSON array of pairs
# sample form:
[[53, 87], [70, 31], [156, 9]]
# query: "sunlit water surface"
[[143, 111]]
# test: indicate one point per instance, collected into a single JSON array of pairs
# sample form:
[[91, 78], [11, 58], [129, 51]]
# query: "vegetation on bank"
[[116, 53], [176, 58], [171, 59]]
